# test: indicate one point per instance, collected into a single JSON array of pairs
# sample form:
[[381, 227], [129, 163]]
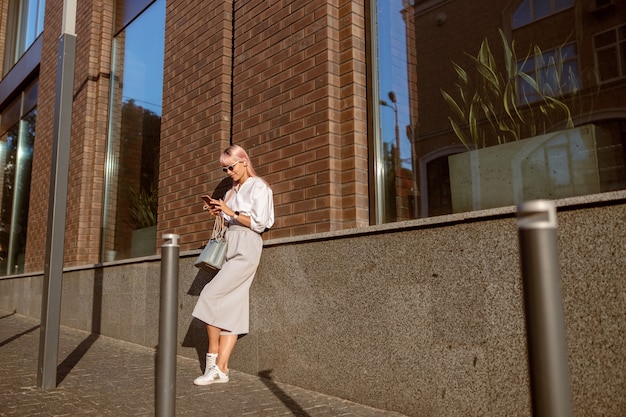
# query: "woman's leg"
[[226, 345], [214, 338], [222, 344], [219, 350]]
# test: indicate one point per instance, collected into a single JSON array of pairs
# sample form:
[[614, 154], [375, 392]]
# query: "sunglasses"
[[230, 167]]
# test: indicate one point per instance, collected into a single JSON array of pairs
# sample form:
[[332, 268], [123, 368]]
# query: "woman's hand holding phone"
[[214, 206], [207, 202]]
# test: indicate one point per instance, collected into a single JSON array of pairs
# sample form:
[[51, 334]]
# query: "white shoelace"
[[214, 372]]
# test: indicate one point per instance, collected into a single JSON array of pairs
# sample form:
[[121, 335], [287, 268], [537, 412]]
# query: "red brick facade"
[[286, 80], [298, 103], [298, 107], [94, 36]]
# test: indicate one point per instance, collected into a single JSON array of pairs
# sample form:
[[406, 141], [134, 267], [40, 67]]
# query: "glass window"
[[17, 138], [473, 117], [610, 50], [24, 25], [130, 209], [395, 151], [551, 73], [532, 10]]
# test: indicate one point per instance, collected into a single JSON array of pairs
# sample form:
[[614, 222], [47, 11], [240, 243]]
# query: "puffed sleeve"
[[262, 210]]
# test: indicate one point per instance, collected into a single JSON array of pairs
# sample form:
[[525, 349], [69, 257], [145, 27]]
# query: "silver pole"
[[168, 321], [57, 203], [545, 323]]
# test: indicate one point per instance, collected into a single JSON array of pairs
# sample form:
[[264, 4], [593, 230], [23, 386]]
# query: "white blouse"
[[253, 198]]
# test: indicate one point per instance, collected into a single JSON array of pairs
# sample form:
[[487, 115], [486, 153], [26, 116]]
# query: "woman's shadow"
[[196, 335]]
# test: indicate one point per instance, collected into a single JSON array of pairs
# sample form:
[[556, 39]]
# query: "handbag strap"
[[219, 228]]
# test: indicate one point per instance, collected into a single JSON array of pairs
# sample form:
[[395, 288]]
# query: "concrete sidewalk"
[[100, 376]]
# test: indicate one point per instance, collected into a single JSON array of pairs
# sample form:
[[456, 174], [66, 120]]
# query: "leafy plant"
[[143, 208], [493, 108]]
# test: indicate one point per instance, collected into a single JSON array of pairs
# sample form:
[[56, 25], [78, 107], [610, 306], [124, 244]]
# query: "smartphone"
[[206, 199]]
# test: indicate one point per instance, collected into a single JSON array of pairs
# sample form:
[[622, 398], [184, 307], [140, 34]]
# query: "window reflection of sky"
[[392, 67], [33, 21], [143, 60]]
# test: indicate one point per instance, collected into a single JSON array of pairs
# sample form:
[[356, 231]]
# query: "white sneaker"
[[212, 375], [211, 359]]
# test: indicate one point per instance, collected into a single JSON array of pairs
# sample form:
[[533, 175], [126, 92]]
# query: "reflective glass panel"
[[16, 157], [25, 24], [522, 15], [134, 137], [8, 157], [528, 11], [474, 117], [542, 8]]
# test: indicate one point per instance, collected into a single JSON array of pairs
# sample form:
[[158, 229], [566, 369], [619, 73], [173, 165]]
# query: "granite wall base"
[[427, 320]]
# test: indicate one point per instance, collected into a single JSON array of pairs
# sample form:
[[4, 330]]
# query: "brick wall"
[[298, 105], [4, 10], [89, 126], [94, 23], [293, 76], [298, 108], [40, 180], [196, 114]]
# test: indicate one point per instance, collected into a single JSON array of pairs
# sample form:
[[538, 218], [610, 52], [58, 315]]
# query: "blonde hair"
[[236, 153]]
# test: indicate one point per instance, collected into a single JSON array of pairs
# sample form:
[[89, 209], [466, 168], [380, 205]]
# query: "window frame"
[[620, 53], [574, 61], [18, 30]]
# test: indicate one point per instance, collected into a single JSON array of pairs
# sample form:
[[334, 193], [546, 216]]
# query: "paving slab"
[[101, 376]]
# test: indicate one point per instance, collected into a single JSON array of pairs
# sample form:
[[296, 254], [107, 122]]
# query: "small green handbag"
[[213, 254]]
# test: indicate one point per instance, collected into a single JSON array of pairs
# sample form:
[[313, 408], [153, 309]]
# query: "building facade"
[[159, 92], [365, 117]]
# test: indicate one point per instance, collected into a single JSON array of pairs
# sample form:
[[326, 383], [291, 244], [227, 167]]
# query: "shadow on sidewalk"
[[65, 367], [17, 336], [294, 407], [9, 315]]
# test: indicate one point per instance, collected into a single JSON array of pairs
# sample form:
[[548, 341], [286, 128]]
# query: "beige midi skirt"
[[225, 300]]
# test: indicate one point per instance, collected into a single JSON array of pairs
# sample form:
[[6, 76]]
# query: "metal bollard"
[[545, 323], [168, 322]]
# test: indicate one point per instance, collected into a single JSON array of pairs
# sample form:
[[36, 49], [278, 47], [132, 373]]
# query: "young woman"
[[224, 305]]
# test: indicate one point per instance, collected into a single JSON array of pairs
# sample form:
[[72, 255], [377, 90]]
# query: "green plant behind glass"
[[143, 208], [492, 109]]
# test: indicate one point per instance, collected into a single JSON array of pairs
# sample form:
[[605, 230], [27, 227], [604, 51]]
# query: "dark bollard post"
[[545, 323], [168, 323]]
